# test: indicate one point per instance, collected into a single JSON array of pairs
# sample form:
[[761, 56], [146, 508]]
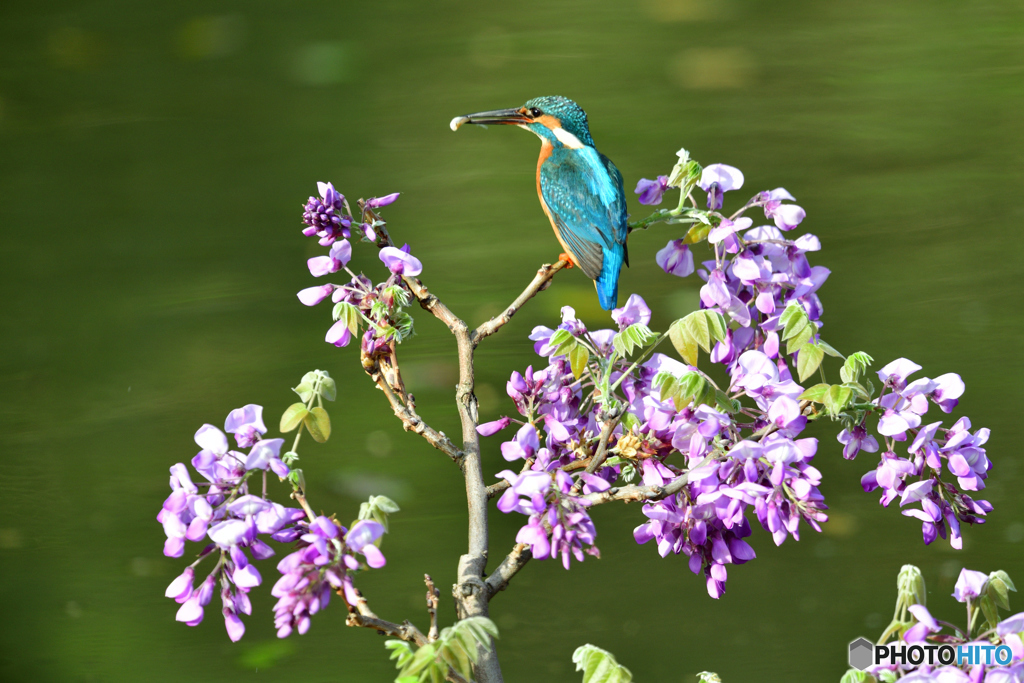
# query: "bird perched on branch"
[[580, 189]]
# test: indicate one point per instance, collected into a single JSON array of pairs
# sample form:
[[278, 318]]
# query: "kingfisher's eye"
[[535, 112]]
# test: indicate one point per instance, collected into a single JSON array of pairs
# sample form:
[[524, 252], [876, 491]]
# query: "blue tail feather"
[[607, 283]]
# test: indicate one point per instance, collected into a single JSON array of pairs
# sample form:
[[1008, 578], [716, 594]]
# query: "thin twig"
[[432, 599], [509, 567], [540, 282], [404, 631], [412, 422], [632, 492], [495, 489], [602, 449]]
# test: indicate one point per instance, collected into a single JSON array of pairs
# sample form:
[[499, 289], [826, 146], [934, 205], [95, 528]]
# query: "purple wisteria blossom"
[[400, 261], [675, 259], [651, 191], [635, 311], [326, 216], [323, 563], [246, 423], [718, 179], [378, 202], [227, 515]]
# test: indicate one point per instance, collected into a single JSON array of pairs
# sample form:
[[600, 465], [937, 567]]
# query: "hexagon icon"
[[861, 651]]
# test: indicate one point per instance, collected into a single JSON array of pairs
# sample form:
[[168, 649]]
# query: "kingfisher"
[[580, 189]]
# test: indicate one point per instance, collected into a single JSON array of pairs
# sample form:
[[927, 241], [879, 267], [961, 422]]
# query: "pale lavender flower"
[[377, 202], [969, 585], [675, 259], [400, 261], [311, 296], [897, 372], [635, 311], [339, 334], [651, 191], [857, 440], [717, 179], [246, 423], [925, 626], [492, 428], [361, 539]]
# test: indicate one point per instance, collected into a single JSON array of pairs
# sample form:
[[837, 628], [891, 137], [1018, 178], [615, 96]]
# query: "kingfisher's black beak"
[[498, 116]]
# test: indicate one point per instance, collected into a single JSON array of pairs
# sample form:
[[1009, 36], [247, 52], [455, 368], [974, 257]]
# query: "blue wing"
[[583, 192]]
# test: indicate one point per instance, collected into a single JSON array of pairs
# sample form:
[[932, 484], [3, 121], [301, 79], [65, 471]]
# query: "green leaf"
[[293, 417], [855, 366], [691, 386], [696, 326], [815, 393], [827, 348], [724, 403], [1004, 577], [796, 325], [318, 424], [559, 338], [667, 385], [791, 311], [988, 608], [578, 357], [329, 389], [999, 587], [697, 233], [629, 422], [599, 666], [304, 390], [717, 325], [566, 347], [854, 676], [796, 343], [619, 344], [684, 343], [636, 335], [401, 651], [858, 389], [808, 361], [458, 645], [378, 508], [836, 399]]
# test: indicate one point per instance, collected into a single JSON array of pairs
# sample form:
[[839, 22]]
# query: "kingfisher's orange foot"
[[565, 257]]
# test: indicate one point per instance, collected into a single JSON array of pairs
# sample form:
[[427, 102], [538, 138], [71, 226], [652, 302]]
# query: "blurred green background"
[[153, 161]]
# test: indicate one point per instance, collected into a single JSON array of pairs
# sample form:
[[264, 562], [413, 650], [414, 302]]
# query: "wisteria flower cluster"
[[238, 523], [725, 451], [379, 306], [988, 649]]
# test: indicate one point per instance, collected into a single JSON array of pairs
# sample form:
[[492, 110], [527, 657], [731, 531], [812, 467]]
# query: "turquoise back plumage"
[[582, 190]]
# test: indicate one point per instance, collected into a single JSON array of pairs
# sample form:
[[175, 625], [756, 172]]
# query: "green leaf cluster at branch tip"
[[599, 666], [457, 647], [698, 329]]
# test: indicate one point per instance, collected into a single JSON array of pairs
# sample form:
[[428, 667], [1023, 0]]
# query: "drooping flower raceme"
[[236, 524], [359, 302]]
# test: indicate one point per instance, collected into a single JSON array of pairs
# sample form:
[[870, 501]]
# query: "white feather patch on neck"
[[567, 138]]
